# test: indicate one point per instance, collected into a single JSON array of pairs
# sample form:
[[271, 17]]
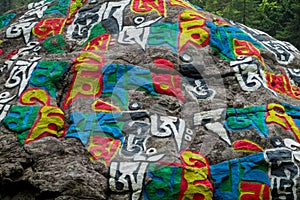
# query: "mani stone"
[[138, 99]]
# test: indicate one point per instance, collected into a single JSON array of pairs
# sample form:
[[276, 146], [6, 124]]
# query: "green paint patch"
[[54, 44], [97, 30], [6, 19], [20, 120], [47, 75], [165, 182]]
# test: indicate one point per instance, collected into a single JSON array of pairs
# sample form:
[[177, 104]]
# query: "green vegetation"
[[278, 18]]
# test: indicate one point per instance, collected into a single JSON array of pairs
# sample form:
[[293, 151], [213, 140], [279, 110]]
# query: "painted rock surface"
[[145, 100]]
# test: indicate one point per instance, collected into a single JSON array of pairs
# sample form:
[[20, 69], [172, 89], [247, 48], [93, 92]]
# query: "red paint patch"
[[163, 63], [52, 127], [73, 8], [281, 83], [48, 27], [196, 36], [168, 84], [246, 145], [87, 69], [147, 6], [243, 47], [258, 191], [11, 54], [103, 148], [102, 106], [99, 43], [195, 175], [86, 87]]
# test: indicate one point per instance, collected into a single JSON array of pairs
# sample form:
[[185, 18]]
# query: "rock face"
[[145, 100]]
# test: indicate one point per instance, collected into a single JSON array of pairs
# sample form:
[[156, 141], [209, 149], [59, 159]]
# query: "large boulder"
[[145, 100]]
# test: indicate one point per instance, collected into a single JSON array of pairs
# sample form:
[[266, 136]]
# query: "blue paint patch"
[[6, 19], [118, 79], [42, 78], [221, 39], [12, 125], [47, 74], [228, 175], [83, 125], [238, 119], [164, 34], [293, 111]]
